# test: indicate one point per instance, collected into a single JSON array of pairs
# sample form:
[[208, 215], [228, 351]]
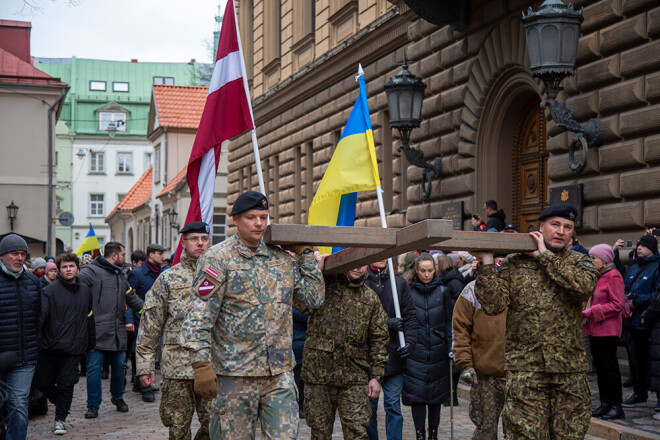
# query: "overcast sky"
[[149, 30]]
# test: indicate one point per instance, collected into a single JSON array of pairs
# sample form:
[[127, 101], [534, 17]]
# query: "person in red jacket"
[[603, 325]]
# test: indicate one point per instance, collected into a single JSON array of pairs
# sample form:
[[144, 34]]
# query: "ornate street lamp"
[[81, 153], [405, 93], [172, 214], [552, 35], [12, 211]]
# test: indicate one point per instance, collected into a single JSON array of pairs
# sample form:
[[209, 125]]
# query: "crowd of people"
[[247, 334]]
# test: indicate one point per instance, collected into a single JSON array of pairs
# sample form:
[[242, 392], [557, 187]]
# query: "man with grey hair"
[[19, 319]]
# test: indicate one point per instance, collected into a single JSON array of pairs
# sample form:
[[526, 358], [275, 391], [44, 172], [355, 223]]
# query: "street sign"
[[66, 218]]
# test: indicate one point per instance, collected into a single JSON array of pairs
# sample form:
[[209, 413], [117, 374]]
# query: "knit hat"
[[50, 266], [648, 241], [38, 262], [85, 260], [12, 242], [466, 256], [603, 252]]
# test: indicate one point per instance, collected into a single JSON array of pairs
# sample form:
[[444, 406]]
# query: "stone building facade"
[[481, 110]]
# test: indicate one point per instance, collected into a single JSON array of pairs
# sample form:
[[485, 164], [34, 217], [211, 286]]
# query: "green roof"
[[81, 103]]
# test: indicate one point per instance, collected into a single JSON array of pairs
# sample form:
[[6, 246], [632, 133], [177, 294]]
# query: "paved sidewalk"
[[142, 422]]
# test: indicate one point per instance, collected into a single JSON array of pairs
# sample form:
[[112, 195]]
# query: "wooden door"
[[530, 168]]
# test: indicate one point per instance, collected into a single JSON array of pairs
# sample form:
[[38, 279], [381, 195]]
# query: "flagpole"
[[383, 223], [253, 132]]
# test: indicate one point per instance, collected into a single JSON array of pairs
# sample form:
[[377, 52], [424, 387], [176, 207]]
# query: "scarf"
[[10, 272], [154, 267]]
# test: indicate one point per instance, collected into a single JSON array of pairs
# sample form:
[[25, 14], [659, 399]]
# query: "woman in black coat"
[[426, 380], [651, 319]]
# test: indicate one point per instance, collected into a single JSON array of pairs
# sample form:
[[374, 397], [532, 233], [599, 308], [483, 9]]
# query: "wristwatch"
[[307, 251]]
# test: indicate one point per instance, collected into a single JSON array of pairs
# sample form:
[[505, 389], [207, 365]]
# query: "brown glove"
[[206, 382], [297, 248]]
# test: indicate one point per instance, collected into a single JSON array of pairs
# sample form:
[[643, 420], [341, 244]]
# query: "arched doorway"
[[530, 165]]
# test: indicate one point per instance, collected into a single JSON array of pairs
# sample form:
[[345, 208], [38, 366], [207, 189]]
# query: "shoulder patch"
[[238, 266], [273, 263], [588, 264], [207, 287], [214, 273]]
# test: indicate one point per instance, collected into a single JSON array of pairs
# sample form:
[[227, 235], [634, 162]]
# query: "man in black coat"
[[495, 221], [19, 317], [66, 331], [378, 278]]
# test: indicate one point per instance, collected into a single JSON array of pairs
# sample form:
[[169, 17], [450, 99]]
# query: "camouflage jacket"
[[543, 297], [351, 317], [166, 305], [242, 320]]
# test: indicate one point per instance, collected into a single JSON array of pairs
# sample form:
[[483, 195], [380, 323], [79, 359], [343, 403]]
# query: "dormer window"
[[108, 120]]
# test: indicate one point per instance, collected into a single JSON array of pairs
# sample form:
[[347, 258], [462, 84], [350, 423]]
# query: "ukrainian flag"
[[89, 244], [353, 167]]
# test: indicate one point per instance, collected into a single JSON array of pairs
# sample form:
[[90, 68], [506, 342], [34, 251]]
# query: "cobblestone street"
[[142, 422]]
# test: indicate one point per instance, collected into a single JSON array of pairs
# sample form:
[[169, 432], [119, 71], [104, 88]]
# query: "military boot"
[[604, 408], [433, 433], [421, 434]]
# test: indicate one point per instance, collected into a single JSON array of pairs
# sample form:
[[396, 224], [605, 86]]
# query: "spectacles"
[[203, 239]]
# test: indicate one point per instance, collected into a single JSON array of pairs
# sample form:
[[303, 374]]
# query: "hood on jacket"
[[452, 274], [105, 264]]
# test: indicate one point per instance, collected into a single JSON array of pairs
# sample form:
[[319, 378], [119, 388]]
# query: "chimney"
[[15, 38], [192, 61], [133, 60]]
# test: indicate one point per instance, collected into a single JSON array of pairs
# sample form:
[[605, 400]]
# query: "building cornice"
[[366, 46]]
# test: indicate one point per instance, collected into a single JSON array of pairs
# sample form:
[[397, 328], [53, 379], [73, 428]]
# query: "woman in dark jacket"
[[651, 319], [450, 276], [426, 380]]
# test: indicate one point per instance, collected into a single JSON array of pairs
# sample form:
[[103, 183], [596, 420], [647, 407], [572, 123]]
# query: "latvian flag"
[[226, 115]]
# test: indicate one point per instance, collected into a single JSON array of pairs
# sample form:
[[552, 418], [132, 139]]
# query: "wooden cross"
[[366, 245]]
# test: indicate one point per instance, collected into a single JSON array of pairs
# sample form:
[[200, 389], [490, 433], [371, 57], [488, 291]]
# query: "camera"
[[628, 243]]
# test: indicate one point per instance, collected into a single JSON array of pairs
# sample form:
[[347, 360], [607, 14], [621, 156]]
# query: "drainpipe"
[[165, 167], [51, 110]]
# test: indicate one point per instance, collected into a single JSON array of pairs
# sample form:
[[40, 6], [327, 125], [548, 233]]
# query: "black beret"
[[563, 210], [249, 200], [195, 227]]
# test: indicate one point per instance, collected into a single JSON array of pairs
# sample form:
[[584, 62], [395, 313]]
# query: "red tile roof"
[[179, 106], [15, 70], [137, 196], [174, 182]]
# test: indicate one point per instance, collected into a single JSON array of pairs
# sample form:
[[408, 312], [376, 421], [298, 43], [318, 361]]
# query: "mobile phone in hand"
[[628, 243], [656, 232]]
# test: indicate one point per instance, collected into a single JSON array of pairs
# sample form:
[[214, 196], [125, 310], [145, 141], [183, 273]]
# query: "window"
[[272, 31], [219, 228], [96, 162], [101, 241], [125, 163], [96, 205], [120, 196], [246, 27], [119, 86], [147, 161], [118, 119], [167, 80], [59, 205], [156, 170], [97, 86], [57, 159], [164, 227]]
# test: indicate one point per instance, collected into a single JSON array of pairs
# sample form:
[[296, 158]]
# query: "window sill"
[[96, 173], [121, 173]]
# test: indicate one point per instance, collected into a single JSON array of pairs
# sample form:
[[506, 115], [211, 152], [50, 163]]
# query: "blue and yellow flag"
[[353, 167], [89, 244]]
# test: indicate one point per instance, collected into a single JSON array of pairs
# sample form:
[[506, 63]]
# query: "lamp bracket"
[[589, 135], [416, 158]]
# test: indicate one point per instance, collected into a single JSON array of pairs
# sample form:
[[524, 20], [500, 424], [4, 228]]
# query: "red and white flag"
[[226, 115]]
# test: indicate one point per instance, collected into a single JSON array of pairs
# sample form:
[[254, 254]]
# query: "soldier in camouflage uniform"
[[547, 391], [335, 367], [240, 329], [167, 303]]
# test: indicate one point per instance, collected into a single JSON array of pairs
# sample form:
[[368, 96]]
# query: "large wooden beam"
[[339, 236], [486, 241], [418, 236]]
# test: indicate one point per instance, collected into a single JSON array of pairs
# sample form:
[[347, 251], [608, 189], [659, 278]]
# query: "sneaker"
[[92, 412], [59, 428], [148, 395], [120, 404], [633, 400]]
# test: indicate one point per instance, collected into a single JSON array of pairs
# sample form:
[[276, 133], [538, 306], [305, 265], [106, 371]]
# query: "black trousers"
[[419, 415], [642, 343], [603, 350], [55, 376]]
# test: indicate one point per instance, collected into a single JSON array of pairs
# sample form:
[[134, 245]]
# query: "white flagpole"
[[383, 223], [253, 132]]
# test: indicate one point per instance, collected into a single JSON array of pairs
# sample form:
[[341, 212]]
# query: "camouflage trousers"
[[323, 401], [177, 406], [486, 403], [545, 406], [242, 401]]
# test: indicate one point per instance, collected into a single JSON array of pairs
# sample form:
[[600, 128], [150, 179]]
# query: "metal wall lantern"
[[552, 35], [172, 214], [12, 212], [405, 93]]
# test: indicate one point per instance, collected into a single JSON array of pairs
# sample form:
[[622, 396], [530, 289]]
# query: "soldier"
[[335, 367], [241, 328], [167, 303], [547, 392]]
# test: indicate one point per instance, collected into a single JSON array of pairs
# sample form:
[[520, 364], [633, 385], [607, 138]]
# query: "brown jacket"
[[478, 338]]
